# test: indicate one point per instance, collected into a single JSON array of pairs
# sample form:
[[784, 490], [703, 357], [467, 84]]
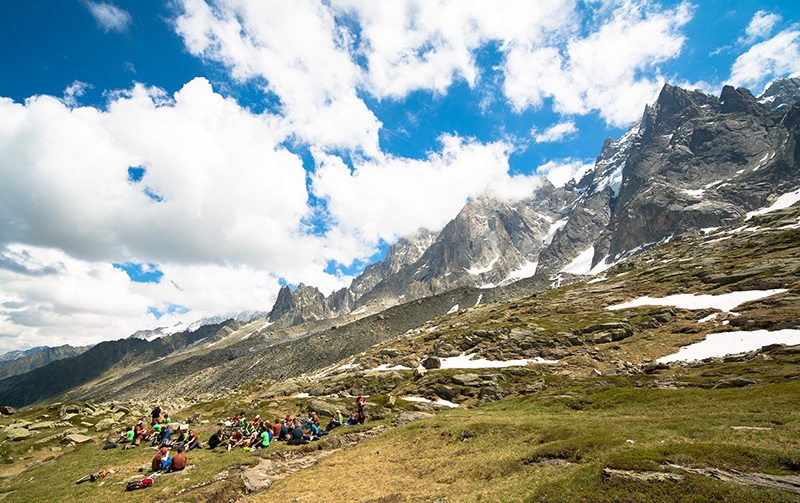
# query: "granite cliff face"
[[693, 162]]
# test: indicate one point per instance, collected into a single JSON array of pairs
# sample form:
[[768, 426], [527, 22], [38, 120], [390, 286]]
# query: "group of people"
[[238, 432], [160, 434], [258, 433]]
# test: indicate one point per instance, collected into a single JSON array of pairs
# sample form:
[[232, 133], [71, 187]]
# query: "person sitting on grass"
[[335, 421], [192, 441], [264, 439], [296, 436], [217, 439], [178, 461], [165, 437], [161, 460], [138, 432], [154, 434]]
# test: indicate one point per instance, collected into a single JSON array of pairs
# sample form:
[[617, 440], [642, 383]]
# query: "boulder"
[[41, 426], [20, 423], [18, 433], [735, 382], [610, 475], [491, 394], [322, 408], [76, 438], [105, 424], [467, 380], [7, 410], [432, 362], [419, 373], [535, 387], [407, 417], [445, 392], [69, 409]]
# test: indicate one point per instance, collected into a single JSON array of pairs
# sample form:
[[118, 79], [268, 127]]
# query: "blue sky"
[[162, 161]]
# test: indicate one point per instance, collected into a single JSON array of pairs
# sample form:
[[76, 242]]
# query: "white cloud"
[[607, 70], [108, 16], [297, 47], [75, 91], [768, 60], [559, 173], [390, 196], [316, 57], [53, 299], [761, 25], [555, 133]]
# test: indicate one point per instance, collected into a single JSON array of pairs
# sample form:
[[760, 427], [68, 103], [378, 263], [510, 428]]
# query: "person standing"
[[155, 415], [361, 402]]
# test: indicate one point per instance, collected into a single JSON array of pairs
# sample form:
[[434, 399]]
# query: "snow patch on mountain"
[[478, 271], [784, 201], [731, 343]]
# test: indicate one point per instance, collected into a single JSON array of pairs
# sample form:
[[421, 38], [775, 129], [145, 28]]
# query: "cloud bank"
[[227, 204]]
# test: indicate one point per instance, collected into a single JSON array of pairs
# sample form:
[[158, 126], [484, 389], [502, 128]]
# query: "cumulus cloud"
[[392, 196], [81, 302], [561, 172], [761, 25], [606, 70], [317, 56], [768, 60], [108, 16], [75, 91], [555, 133], [303, 55]]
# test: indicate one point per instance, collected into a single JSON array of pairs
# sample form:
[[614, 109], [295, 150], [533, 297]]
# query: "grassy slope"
[[585, 421], [590, 428]]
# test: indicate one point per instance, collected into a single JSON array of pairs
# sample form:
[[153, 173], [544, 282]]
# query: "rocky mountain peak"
[[305, 303], [739, 100], [676, 105], [781, 94]]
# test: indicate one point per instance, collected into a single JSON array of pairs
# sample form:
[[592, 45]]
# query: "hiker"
[[352, 421], [138, 432], [192, 441], [167, 420], [178, 461], [165, 438], [236, 439], [126, 437], [276, 429], [312, 431], [361, 402], [335, 421], [265, 438], [217, 439], [166, 459], [153, 434], [296, 436], [155, 414], [159, 460], [284, 434], [314, 418]]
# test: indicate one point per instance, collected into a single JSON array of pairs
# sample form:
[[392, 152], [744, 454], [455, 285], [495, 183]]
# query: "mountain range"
[[693, 163]]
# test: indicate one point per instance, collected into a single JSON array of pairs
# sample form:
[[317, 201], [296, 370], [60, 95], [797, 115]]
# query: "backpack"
[[139, 484]]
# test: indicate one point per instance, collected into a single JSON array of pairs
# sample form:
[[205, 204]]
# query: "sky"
[[162, 161]]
